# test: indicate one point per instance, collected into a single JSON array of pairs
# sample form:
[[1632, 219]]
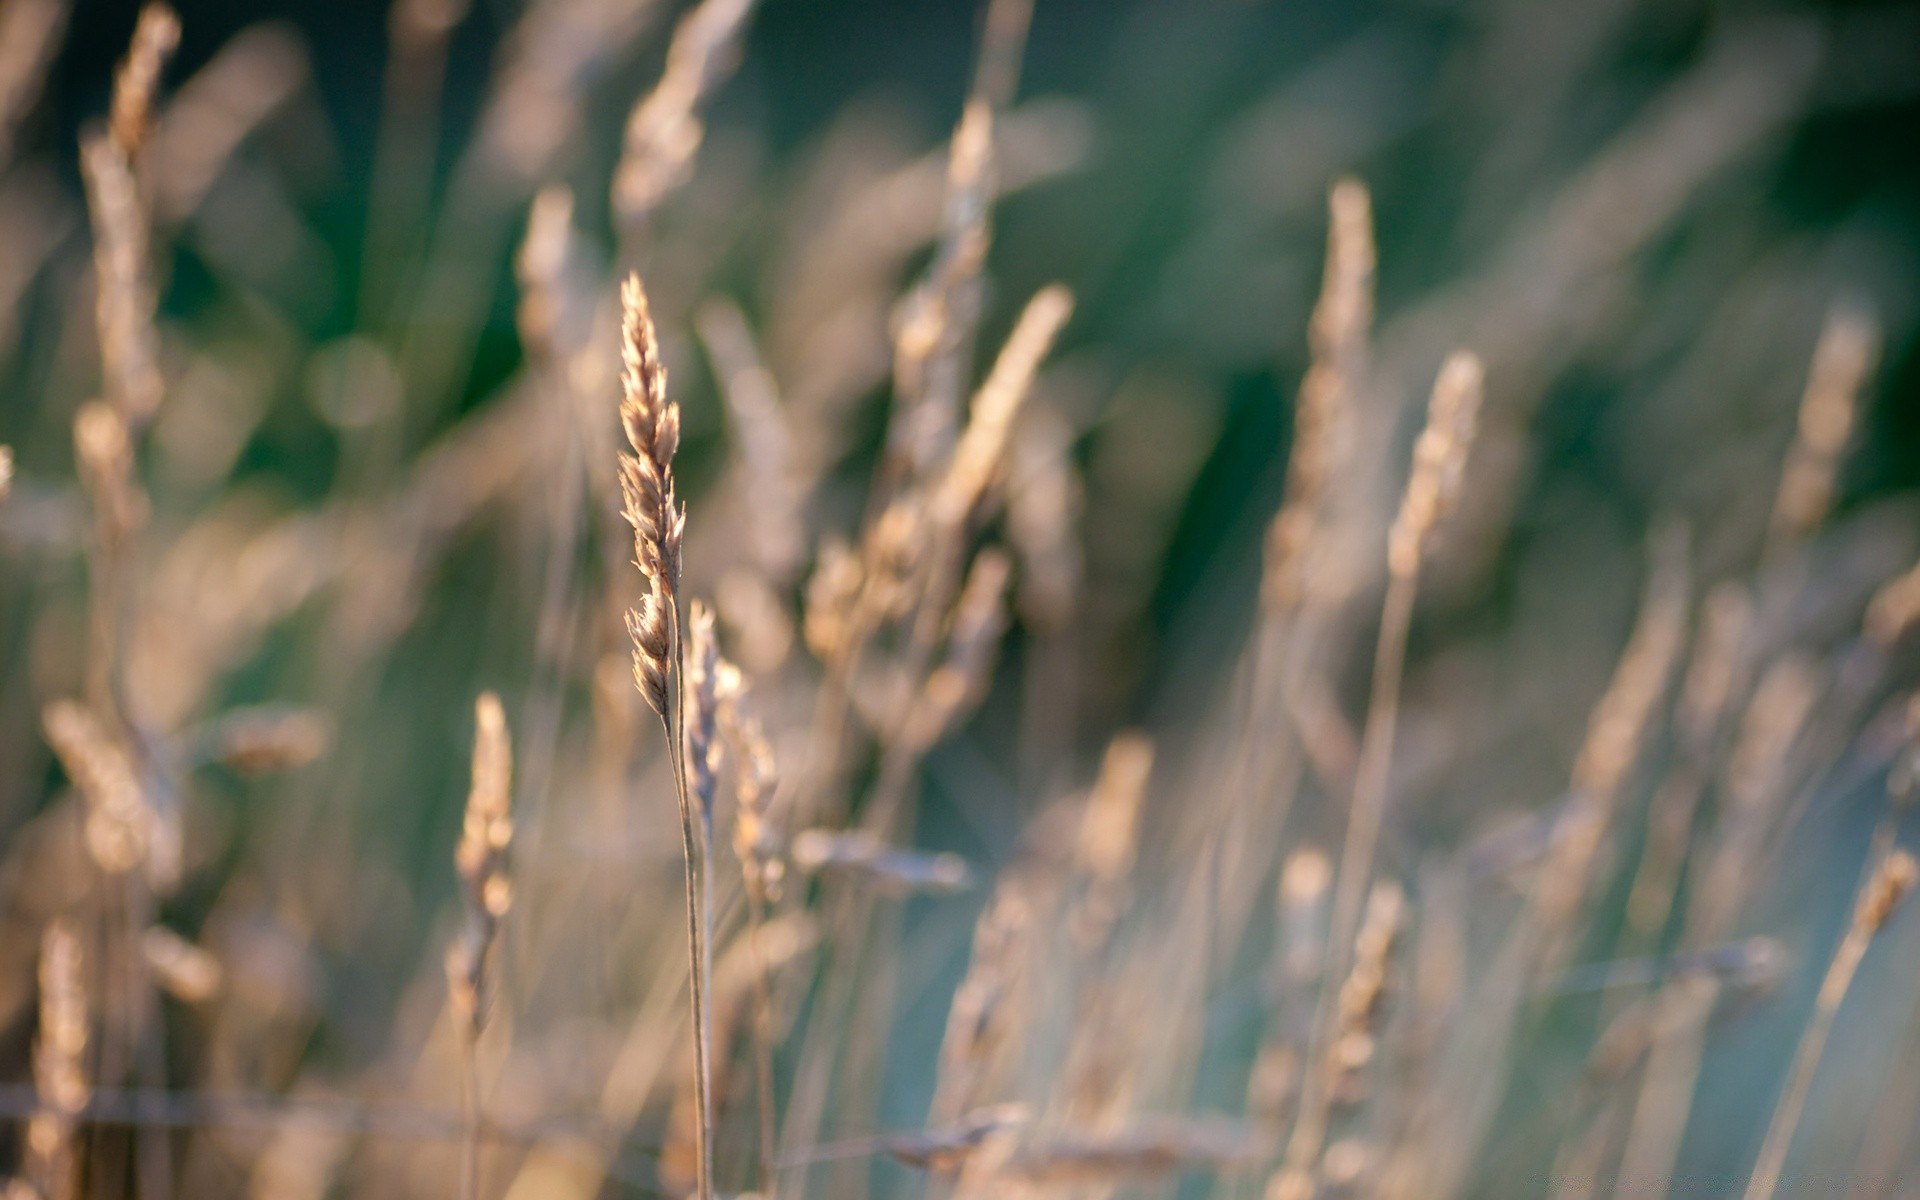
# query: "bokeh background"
[[1639, 214]]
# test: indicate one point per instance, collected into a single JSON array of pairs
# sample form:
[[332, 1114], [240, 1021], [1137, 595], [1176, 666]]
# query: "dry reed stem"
[[661, 654], [6, 471], [1439, 458], [59, 1066], [1892, 877]]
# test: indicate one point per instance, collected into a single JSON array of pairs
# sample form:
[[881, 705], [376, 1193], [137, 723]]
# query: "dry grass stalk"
[[547, 316], [1044, 502], [982, 446], [862, 856], [123, 830], [1337, 341], [191, 974], [1894, 610], [957, 685], [946, 1148], [124, 300], [980, 1025], [137, 82], [59, 1066], [1617, 735], [660, 652], [480, 857], [664, 130], [1842, 359], [1109, 839], [758, 843], [1892, 878], [6, 471], [1439, 458], [1146, 1151]]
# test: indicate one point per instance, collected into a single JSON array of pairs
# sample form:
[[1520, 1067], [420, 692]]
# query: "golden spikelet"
[[1337, 341], [137, 82], [124, 299], [652, 426], [120, 824], [977, 457], [480, 858], [1439, 461], [651, 423], [1849, 346]]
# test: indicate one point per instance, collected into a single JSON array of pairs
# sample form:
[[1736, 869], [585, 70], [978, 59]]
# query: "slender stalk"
[[469, 1117], [1892, 876], [699, 960]]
